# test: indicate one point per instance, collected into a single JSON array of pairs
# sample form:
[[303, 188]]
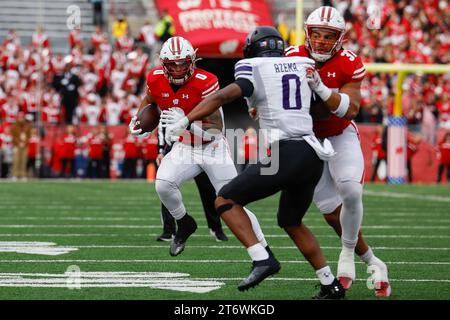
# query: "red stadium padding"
[[424, 161], [218, 28]]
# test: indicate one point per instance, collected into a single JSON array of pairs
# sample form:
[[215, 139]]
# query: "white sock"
[[257, 252], [367, 256], [325, 276], [350, 250], [370, 259], [256, 227]]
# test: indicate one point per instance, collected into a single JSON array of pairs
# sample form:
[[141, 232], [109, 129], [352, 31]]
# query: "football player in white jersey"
[[277, 87]]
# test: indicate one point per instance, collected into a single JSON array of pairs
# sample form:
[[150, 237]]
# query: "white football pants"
[[184, 162], [341, 183]]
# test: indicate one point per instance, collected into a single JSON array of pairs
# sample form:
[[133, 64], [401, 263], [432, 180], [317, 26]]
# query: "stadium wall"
[[424, 162]]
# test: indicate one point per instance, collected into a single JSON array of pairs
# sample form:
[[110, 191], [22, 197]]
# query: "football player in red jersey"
[[176, 88], [336, 78], [444, 157]]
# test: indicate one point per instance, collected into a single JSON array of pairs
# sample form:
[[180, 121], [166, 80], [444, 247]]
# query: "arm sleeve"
[[244, 77], [246, 86]]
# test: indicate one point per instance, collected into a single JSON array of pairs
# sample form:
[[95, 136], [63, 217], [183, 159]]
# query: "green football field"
[[96, 240]]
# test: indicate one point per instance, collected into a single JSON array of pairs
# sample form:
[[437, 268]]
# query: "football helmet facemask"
[[178, 59], [324, 19]]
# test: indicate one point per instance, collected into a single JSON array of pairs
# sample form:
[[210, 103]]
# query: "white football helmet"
[[330, 19], [178, 60]]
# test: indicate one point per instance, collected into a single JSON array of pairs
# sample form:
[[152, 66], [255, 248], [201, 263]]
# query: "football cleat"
[[346, 282], [346, 269], [186, 227], [218, 234], [260, 270], [333, 291], [382, 289], [166, 236], [381, 280]]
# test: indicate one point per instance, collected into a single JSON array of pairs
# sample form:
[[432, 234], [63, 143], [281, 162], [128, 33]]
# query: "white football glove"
[[316, 84], [136, 132], [171, 116], [175, 130]]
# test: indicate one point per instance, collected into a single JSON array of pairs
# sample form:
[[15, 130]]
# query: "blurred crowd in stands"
[[96, 87]]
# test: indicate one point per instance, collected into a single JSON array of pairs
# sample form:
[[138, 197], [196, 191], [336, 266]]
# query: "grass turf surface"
[[114, 226]]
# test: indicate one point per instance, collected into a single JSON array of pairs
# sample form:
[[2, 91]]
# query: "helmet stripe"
[[175, 45], [322, 14], [172, 45], [329, 14], [178, 42]]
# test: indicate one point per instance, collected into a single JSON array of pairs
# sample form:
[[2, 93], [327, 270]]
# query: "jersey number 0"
[[291, 98]]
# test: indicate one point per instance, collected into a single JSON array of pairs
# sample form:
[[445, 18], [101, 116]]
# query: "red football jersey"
[[33, 146], [95, 147], [344, 67], [444, 153], [377, 146], [69, 145], [150, 150], [412, 146], [199, 86], [131, 147]]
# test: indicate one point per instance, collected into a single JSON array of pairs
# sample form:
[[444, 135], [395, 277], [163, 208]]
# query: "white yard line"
[[233, 247], [401, 195], [150, 219], [149, 235], [315, 279], [131, 226], [140, 279], [175, 261]]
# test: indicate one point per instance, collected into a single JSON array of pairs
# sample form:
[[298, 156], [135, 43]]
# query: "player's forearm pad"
[[344, 104]]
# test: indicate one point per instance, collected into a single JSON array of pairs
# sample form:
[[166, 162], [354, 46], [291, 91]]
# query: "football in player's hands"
[[318, 109], [148, 118]]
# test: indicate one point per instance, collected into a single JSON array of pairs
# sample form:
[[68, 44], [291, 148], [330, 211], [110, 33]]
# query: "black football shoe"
[[186, 227], [269, 251], [218, 234], [260, 270], [334, 291]]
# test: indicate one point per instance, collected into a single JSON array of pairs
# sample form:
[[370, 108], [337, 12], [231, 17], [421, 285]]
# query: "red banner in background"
[[218, 28]]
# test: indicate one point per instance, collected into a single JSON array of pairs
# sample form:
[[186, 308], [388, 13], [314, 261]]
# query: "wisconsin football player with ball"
[[336, 80], [176, 88]]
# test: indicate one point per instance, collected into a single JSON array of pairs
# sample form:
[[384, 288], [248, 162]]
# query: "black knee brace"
[[223, 208]]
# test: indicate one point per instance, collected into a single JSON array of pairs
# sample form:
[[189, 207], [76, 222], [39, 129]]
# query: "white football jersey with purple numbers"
[[281, 95]]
